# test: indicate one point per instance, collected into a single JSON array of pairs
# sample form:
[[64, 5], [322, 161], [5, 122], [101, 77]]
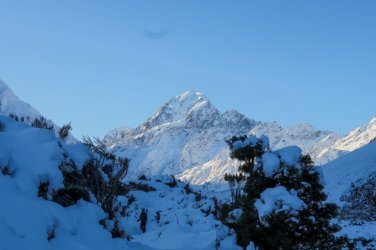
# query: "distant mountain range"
[[186, 137]]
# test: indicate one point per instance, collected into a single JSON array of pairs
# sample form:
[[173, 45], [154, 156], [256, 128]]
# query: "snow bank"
[[33, 154], [290, 155], [277, 199], [270, 163], [28, 156]]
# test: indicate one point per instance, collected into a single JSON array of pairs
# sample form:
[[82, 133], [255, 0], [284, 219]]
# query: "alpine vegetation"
[[282, 202]]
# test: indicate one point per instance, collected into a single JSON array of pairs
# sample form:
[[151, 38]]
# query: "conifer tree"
[[308, 227]]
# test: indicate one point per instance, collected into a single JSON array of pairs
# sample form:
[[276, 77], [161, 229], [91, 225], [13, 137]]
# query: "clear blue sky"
[[105, 64]]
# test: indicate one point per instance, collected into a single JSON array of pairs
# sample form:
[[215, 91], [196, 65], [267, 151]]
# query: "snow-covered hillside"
[[11, 104], [30, 156], [187, 136], [354, 167]]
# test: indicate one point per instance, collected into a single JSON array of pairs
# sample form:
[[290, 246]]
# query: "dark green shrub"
[[307, 228]]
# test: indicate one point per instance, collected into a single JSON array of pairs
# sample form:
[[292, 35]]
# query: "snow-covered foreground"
[[185, 223], [29, 156]]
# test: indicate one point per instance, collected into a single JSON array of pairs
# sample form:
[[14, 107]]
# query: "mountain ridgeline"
[[186, 137]]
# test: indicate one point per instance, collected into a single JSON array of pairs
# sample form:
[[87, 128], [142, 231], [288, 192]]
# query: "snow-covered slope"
[[29, 156], [187, 136], [356, 166], [11, 104], [357, 138], [185, 221]]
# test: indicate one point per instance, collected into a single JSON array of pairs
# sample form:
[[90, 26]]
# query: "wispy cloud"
[[156, 35]]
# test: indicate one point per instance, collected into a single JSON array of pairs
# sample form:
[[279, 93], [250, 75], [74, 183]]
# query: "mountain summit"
[[189, 107]]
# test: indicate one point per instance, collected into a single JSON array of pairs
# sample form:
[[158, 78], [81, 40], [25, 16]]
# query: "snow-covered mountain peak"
[[190, 96], [189, 133], [189, 107]]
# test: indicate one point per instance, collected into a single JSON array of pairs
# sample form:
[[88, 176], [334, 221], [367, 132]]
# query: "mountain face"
[[186, 137], [186, 131], [357, 138]]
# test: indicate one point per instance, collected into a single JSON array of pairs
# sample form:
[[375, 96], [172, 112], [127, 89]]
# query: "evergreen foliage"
[[308, 228]]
